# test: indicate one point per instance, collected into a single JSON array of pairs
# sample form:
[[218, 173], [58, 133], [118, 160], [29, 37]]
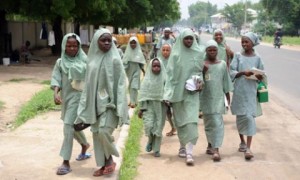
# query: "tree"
[[200, 13], [285, 13], [236, 14]]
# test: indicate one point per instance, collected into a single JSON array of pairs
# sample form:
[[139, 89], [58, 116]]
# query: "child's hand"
[[205, 67], [57, 99], [140, 114], [259, 77], [248, 73]]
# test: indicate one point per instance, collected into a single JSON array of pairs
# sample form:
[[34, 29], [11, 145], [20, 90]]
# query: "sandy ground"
[[31, 151]]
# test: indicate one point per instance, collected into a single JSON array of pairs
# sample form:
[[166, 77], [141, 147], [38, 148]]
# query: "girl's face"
[[246, 43], [71, 47], [211, 52], [105, 42], [133, 44], [218, 37], [188, 41], [166, 51], [156, 66]]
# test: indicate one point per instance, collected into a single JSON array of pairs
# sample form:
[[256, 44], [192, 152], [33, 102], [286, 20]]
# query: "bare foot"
[[99, 172]]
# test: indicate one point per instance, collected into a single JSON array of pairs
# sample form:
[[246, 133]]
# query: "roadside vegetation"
[[132, 148], [286, 40], [41, 102]]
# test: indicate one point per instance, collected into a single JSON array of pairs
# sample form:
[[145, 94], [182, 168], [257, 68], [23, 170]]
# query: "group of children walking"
[[181, 81], [197, 78]]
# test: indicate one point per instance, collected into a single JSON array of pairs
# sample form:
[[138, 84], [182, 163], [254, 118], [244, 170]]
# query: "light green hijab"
[[74, 67], [221, 46], [152, 87], [183, 64], [134, 55], [107, 90]]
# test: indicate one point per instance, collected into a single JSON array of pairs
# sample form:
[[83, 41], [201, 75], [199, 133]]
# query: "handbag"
[[262, 93], [80, 126]]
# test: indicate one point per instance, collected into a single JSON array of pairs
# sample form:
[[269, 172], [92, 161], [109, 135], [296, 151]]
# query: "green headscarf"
[[152, 87], [134, 55], [105, 84], [74, 67], [183, 64], [221, 46]]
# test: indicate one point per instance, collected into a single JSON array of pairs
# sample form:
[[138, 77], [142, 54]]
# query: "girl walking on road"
[[67, 79], [244, 101], [133, 62], [152, 107], [185, 64], [217, 83], [164, 55], [103, 103]]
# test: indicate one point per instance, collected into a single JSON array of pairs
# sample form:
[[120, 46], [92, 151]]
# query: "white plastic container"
[[6, 61]]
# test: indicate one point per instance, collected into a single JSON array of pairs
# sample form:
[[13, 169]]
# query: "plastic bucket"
[[6, 61]]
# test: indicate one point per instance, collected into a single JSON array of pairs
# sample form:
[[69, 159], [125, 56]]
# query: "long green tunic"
[[244, 101], [152, 105], [183, 64], [103, 103], [133, 62], [66, 71], [217, 83]]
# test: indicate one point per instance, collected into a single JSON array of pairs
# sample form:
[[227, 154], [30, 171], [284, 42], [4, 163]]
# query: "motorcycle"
[[277, 42]]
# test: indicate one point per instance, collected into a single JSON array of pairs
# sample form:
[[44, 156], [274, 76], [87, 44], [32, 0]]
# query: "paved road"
[[283, 70]]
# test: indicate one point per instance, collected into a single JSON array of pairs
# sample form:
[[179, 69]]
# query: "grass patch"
[[19, 79], [1, 104], [47, 82], [129, 165], [286, 40], [39, 103]]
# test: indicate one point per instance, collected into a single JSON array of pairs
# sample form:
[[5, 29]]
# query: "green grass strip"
[[129, 165], [39, 103]]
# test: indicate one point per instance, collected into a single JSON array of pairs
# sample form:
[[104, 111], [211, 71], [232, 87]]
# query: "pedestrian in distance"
[[152, 106], [103, 103], [164, 55], [184, 81], [244, 100], [217, 83], [67, 82], [133, 62]]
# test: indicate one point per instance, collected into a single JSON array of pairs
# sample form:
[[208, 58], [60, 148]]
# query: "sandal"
[[189, 160], [216, 156], [109, 169], [148, 148], [209, 150], [242, 147], [63, 169], [99, 172], [157, 154], [82, 157], [248, 154], [182, 152], [171, 133]]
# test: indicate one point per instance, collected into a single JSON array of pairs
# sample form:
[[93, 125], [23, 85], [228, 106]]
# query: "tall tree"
[[236, 14], [200, 13], [286, 12]]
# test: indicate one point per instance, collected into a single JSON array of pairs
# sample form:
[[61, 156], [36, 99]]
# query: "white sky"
[[185, 3]]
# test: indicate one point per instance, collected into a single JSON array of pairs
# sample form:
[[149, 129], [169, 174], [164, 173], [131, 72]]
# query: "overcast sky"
[[184, 4]]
